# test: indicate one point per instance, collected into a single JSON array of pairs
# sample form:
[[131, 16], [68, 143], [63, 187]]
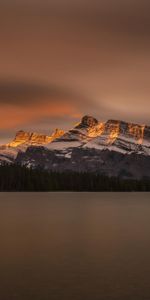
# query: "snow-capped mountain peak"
[[122, 137], [115, 148], [79, 135], [26, 139], [23, 140]]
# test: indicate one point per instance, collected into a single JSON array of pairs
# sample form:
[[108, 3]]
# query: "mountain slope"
[[26, 139], [106, 162], [22, 141], [123, 137], [88, 128], [113, 148]]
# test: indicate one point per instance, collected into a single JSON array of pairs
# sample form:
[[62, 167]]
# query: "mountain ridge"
[[114, 147], [24, 137]]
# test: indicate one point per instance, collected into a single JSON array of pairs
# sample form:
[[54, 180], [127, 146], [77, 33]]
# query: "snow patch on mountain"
[[62, 145]]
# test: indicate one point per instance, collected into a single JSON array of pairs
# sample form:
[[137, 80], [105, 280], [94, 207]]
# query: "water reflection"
[[74, 246]]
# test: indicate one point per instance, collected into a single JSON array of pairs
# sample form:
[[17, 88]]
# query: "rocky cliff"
[[32, 138], [114, 148]]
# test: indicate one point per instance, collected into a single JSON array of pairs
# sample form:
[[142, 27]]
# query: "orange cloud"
[[13, 115]]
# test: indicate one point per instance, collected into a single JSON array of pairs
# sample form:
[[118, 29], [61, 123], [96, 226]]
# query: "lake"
[[75, 246]]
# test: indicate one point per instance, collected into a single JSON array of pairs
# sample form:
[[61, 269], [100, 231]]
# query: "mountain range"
[[113, 148]]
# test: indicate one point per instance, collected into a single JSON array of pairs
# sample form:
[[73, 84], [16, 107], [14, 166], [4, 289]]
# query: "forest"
[[19, 178]]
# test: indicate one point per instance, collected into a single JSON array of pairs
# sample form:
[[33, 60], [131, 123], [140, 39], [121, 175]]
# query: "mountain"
[[88, 128], [22, 141], [123, 137], [25, 139], [114, 148]]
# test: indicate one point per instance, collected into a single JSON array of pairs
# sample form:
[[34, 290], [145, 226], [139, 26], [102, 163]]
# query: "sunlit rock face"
[[92, 126], [89, 132], [96, 130], [136, 131], [56, 134], [79, 135], [32, 138], [22, 141], [122, 137], [116, 129], [114, 148], [23, 137], [87, 121], [112, 135], [88, 127]]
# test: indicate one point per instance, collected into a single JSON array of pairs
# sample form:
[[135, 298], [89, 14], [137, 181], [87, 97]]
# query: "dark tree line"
[[17, 178]]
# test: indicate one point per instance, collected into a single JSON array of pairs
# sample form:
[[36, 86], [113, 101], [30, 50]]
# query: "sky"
[[62, 59]]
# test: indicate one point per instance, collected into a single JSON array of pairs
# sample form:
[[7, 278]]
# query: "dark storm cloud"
[[22, 92], [33, 106], [94, 53], [131, 15]]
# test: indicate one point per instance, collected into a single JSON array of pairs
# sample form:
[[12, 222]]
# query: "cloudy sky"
[[61, 59]]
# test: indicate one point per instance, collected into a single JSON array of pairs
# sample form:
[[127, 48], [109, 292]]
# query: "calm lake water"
[[74, 246]]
